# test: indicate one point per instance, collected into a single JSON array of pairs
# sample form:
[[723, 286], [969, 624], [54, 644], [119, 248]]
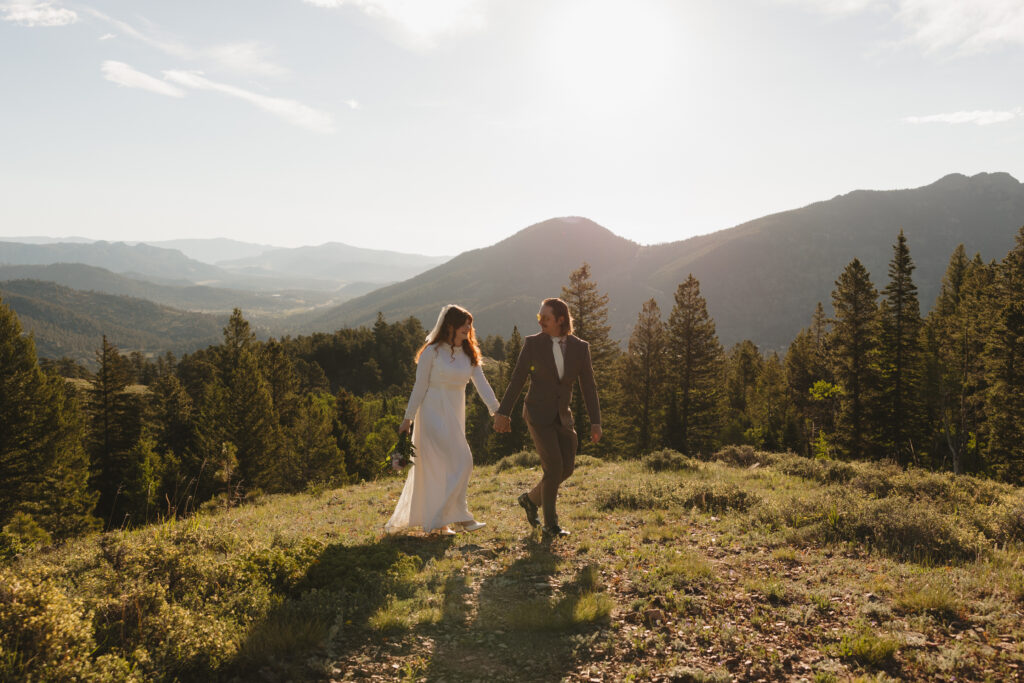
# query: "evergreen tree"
[[1004, 366], [901, 360], [115, 426], [250, 423], [769, 407], [589, 311], [43, 464], [642, 376], [854, 354], [955, 333], [350, 431], [806, 365], [317, 456], [742, 370], [695, 360]]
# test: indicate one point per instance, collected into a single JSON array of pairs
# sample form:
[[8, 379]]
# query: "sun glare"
[[606, 56]]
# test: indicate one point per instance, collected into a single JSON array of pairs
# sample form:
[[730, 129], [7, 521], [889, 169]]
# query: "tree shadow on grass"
[[322, 615], [524, 628]]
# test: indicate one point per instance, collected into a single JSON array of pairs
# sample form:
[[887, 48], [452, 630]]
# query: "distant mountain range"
[[215, 249], [762, 279], [199, 298], [335, 261], [324, 268]]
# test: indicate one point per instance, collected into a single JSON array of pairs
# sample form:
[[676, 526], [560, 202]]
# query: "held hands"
[[502, 423], [595, 433], [405, 426]]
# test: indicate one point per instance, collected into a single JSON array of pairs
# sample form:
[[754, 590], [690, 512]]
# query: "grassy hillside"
[[749, 566]]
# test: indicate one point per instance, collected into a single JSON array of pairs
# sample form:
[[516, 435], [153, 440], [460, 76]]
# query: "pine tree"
[[43, 464], [806, 365], [854, 354], [115, 426], [742, 370], [350, 430], [250, 421], [901, 367], [1004, 365], [589, 311], [317, 456], [642, 376], [955, 333], [695, 360]]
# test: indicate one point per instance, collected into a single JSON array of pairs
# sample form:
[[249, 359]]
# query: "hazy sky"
[[436, 126]]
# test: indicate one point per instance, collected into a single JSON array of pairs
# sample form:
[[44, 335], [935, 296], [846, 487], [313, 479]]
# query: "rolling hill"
[[335, 261], [762, 279], [67, 322], [200, 298]]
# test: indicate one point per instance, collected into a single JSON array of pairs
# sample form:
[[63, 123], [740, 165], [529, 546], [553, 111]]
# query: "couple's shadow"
[[520, 630], [518, 627]]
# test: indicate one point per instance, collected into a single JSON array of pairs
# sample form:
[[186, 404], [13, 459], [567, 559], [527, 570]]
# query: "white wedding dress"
[[435, 491]]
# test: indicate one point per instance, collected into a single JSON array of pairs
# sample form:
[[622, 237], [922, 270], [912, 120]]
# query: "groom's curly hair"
[[560, 309]]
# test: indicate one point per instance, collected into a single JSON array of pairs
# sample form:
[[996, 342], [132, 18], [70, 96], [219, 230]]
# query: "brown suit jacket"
[[548, 397]]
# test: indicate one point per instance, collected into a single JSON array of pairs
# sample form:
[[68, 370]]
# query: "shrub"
[[520, 459], [742, 456], [667, 459], [45, 635], [867, 649]]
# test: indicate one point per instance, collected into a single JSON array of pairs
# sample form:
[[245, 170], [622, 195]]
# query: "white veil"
[[437, 326]]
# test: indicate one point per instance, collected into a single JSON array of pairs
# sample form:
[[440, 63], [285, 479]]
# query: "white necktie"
[[559, 351]]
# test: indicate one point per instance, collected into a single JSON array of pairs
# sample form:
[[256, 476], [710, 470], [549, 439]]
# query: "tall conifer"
[[1004, 366], [854, 355], [642, 376], [694, 367], [901, 360], [43, 464]]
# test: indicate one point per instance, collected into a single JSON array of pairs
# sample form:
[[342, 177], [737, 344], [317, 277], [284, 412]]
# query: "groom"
[[553, 359]]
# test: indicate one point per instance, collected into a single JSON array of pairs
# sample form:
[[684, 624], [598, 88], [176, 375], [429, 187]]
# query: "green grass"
[[740, 565]]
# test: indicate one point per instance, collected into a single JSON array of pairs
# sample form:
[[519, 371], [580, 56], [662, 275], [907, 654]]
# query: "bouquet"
[[401, 454]]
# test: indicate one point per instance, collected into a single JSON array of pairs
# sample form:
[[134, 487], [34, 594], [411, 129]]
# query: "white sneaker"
[[472, 525]]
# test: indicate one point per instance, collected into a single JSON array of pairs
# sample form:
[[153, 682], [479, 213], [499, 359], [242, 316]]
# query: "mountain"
[[213, 250], [762, 279], [67, 322], [148, 261], [186, 297], [36, 239], [335, 261]]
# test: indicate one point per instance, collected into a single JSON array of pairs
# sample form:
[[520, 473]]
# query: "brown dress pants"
[[556, 444]]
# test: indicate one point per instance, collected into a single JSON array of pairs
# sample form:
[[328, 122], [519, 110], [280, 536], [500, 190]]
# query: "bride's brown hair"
[[456, 317]]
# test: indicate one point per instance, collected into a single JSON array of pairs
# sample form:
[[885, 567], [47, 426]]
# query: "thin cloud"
[[421, 23], [962, 27], [124, 75], [108, 36], [32, 13], [245, 57], [978, 118], [291, 111]]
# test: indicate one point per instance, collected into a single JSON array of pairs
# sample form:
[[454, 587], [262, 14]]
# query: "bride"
[[434, 496]]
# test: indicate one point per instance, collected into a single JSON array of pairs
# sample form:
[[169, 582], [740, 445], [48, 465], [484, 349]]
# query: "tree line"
[[139, 439]]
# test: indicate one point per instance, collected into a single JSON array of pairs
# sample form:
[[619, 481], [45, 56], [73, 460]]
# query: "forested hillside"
[[760, 278], [72, 323]]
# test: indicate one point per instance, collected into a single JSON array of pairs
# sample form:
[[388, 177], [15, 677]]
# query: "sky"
[[438, 126]]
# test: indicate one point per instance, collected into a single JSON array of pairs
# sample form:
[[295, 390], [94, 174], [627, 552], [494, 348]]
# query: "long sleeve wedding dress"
[[435, 490]]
